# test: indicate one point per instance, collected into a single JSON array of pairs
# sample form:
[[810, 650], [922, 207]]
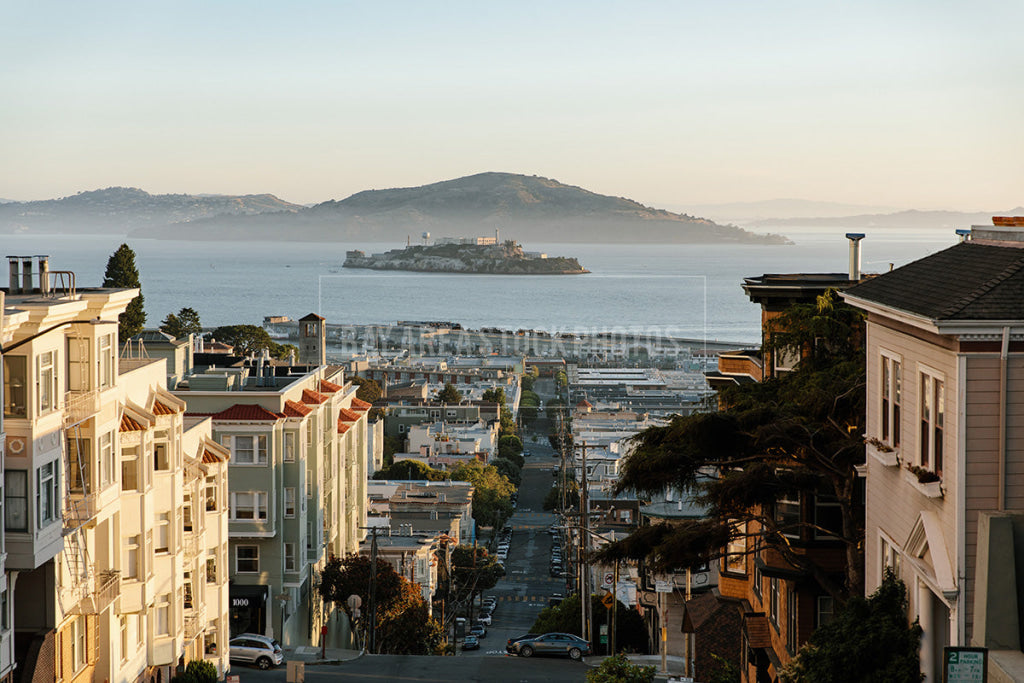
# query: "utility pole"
[[372, 637], [615, 608], [584, 546]]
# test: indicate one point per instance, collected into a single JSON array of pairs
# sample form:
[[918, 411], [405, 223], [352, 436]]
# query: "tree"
[[410, 469], [790, 438], [527, 382], [198, 671], [630, 632], [494, 395], [509, 470], [449, 394], [473, 570], [618, 669], [392, 445], [369, 389], [403, 625], [184, 323], [122, 273], [492, 492], [868, 640], [510, 447], [251, 340]]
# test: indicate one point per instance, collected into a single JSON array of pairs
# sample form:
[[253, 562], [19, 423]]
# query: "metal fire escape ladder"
[[75, 514]]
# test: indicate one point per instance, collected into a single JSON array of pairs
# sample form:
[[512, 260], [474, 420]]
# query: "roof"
[[130, 425], [756, 626], [296, 409], [968, 281], [311, 316], [329, 387], [214, 452], [584, 404], [348, 415], [358, 404], [244, 411], [313, 397], [343, 427]]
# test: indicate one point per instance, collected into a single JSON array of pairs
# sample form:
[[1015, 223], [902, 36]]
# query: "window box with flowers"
[[927, 482], [882, 452]]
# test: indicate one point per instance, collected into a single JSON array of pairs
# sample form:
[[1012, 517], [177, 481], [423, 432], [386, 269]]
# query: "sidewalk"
[[311, 655]]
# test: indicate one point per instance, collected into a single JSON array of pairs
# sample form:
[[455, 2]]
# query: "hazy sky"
[[904, 103]]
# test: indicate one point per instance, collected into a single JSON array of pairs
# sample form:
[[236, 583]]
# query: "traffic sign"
[[609, 578], [608, 600]]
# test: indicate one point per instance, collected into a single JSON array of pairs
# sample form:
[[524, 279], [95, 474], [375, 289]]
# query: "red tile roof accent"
[[311, 397], [248, 412], [348, 415], [160, 408], [130, 425], [342, 427], [358, 404], [296, 409], [329, 387], [209, 456], [584, 404]]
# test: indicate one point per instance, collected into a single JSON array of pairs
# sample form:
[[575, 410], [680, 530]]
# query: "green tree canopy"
[[471, 574], [369, 389], [794, 437], [494, 395], [527, 382], [509, 470], [180, 325], [403, 624], [449, 394], [121, 272], [250, 339], [868, 640], [492, 492], [410, 469]]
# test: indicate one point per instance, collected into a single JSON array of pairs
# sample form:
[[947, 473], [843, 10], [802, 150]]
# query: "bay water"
[[678, 290]]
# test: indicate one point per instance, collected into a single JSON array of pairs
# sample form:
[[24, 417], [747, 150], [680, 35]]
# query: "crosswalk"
[[524, 598]]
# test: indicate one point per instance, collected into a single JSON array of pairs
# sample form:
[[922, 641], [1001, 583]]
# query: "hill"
[[119, 210], [525, 208], [897, 220]]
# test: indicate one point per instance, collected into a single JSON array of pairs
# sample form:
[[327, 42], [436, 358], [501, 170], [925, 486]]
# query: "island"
[[470, 255]]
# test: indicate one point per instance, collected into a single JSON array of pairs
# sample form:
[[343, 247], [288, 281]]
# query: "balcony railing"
[[108, 587], [79, 406], [79, 509], [195, 623]]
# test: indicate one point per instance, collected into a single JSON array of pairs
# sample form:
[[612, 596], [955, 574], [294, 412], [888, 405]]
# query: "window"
[[46, 381], [46, 494], [309, 482], [773, 601], [162, 618], [211, 566], [890, 557], [161, 455], [250, 450], [736, 551], [211, 494], [105, 361], [131, 557], [79, 459], [289, 501], [186, 515], [5, 615], [130, 468], [289, 446], [163, 532], [787, 515], [123, 619], [79, 655], [401, 429], [249, 505], [106, 449], [15, 386], [933, 398], [758, 578], [826, 609], [247, 559], [828, 516], [289, 557], [16, 500], [891, 400], [188, 600], [791, 613]]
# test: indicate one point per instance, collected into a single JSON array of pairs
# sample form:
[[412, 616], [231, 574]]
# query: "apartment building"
[[945, 500], [298, 440], [106, 534]]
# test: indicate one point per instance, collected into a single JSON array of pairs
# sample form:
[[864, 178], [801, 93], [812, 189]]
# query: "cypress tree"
[[122, 273]]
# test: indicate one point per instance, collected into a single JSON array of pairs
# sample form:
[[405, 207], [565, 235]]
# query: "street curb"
[[335, 662]]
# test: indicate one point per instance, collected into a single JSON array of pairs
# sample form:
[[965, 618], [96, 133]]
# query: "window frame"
[[289, 502], [47, 383], [931, 413], [291, 566], [291, 441], [258, 450], [890, 398], [46, 506], [261, 513], [735, 560], [9, 476], [255, 559]]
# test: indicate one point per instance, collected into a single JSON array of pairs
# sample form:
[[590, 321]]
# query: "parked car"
[[253, 648], [470, 643], [478, 630], [509, 643], [552, 643], [527, 454], [484, 618]]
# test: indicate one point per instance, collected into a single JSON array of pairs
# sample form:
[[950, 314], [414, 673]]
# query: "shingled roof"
[[968, 281]]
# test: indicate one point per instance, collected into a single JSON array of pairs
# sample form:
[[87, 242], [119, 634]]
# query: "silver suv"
[[253, 648]]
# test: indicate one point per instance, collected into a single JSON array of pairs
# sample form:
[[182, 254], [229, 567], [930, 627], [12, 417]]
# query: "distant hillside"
[[524, 208], [900, 219], [119, 210], [745, 213]]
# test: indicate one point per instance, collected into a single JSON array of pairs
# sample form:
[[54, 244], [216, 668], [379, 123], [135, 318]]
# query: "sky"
[[913, 103]]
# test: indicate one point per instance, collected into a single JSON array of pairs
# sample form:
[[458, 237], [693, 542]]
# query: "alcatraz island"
[[470, 255]]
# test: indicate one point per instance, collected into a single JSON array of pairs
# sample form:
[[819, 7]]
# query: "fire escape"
[[193, 549]]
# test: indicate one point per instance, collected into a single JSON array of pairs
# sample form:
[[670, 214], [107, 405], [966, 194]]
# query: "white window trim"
[[891, 439], [287, 514], [239, 571], [261, 503], [924, 370], [256, 452]]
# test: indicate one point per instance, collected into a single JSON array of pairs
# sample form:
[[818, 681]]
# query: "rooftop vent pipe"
[[963, 233], [26, 274], [15, 282], [855, 238], [44, 274]]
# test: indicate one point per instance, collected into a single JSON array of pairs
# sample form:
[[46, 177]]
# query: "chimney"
[[963, 233], [855, 238], [44, 274], [14, 287], [26, 274]]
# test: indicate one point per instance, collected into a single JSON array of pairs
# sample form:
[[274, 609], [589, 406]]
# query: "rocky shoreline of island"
[[472, 256]]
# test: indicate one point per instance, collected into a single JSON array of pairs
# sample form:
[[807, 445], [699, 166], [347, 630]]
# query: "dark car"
[[508, 645], [470, 643], [478, 631], [551, 644]]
